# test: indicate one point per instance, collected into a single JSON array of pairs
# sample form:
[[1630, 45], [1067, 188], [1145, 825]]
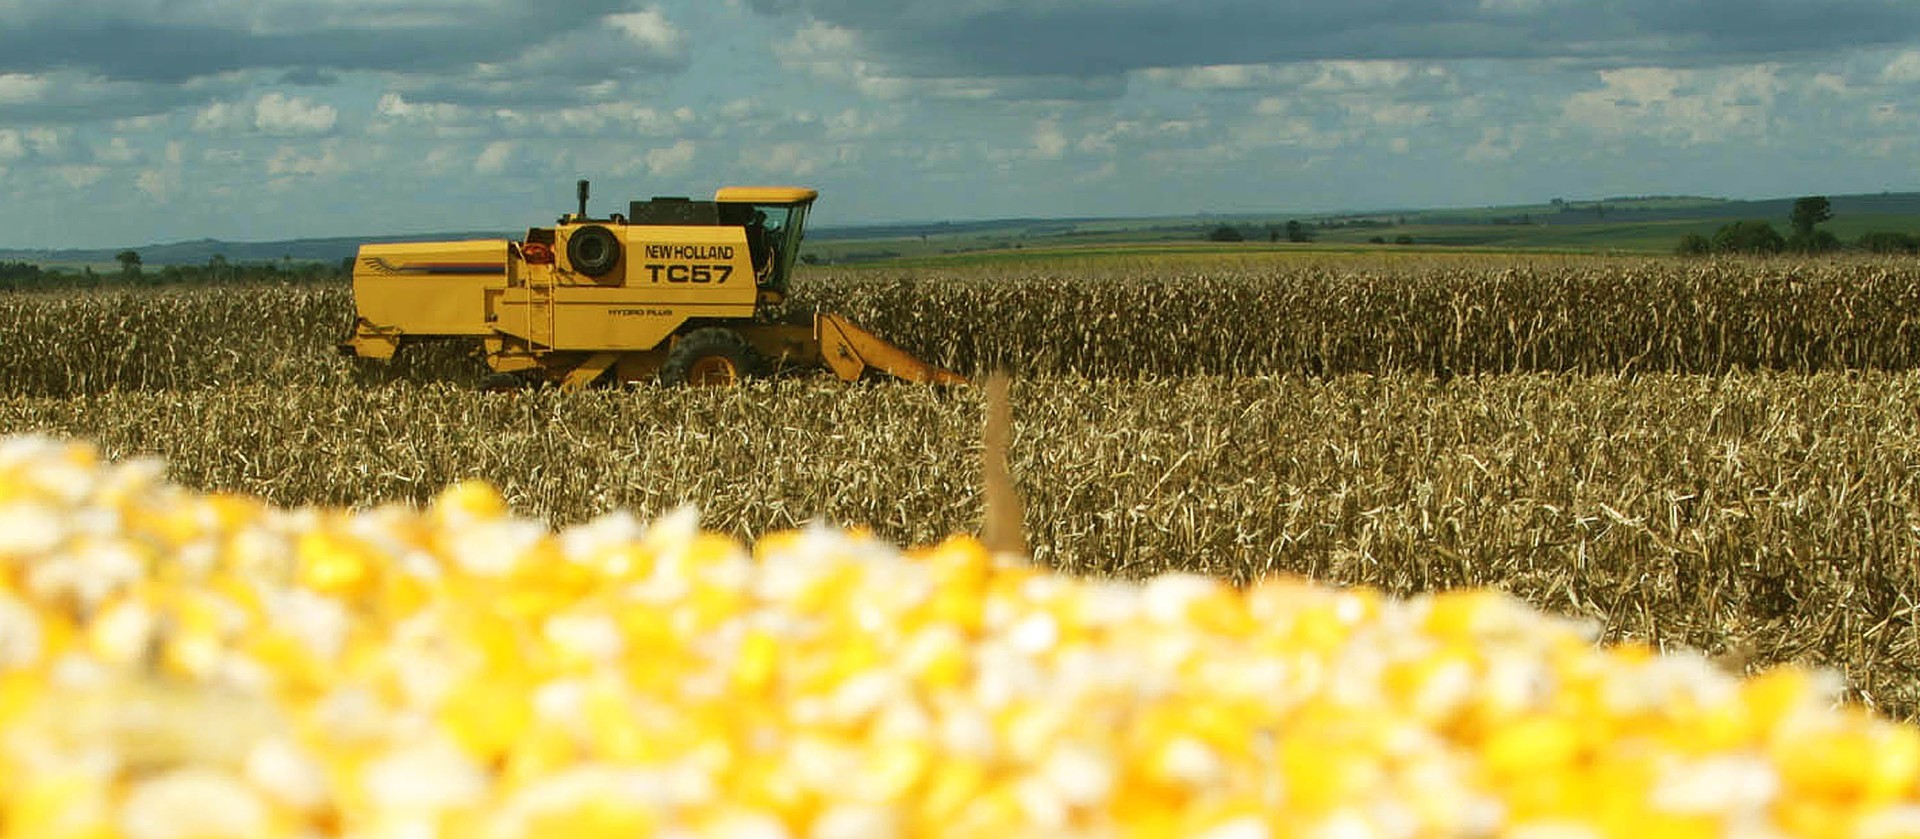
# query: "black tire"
[[711, 357], [593, 250]]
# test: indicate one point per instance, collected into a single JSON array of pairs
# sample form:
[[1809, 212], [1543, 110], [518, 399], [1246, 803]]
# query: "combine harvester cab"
[[676, 291]]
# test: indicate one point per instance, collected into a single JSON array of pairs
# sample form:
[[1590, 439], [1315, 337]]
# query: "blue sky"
[[126, 122]]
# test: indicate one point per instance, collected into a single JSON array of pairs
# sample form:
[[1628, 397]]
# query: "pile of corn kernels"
[[175, 665]]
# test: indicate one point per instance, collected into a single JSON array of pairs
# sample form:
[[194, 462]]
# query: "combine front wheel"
[[710, 357]]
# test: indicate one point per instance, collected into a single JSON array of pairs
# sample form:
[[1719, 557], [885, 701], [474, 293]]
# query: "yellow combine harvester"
[[676, 291]]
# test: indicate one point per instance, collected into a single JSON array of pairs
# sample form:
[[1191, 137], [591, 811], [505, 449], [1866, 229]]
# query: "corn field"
[[1719, 456], [1127, 320], [1449, 318]]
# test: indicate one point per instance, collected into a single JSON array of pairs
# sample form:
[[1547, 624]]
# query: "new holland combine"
[[677, 290]]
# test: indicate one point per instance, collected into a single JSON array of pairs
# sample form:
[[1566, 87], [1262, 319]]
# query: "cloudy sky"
[[134, 121]]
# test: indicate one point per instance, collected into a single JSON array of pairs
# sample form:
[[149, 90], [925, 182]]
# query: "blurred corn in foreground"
[[182, 665]]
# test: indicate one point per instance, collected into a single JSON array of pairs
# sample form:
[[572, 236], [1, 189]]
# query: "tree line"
[[27, 276], [1754, 236]]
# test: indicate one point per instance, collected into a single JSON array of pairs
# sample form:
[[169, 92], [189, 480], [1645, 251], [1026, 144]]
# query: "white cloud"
[[829, 53], [162, 181], [650, 29], [1103, 141], [274, 114], [290, 116], [494, 158], [21, 88], [43, 141], [221, 117], [1290, 132], [396, 107], [443, 160], [1224, 76], [1496, 145], [785, 160], [117, 151], [626, 117], [1833, 83], [80, 177], [852, 124], [1177, 127], [150, 122], [11, 148], [287, 162], [1903, 69], [1333, 76], [1366, 75], [1677, 106], [1399, 114], [1049, 143], [672, 160]]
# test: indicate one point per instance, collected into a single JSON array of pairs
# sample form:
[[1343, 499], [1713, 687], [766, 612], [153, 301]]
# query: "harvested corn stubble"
[[179, 665]]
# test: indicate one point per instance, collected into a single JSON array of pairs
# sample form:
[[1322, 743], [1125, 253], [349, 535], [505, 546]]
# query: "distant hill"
[[1771, 209], [1852, 212], [330, 250]]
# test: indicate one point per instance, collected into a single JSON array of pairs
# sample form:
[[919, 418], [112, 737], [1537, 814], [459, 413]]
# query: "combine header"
[[676, 291]]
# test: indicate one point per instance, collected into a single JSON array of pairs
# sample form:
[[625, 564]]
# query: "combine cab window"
[[773, 238]]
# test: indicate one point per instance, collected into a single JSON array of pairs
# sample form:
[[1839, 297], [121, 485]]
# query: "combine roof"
[[765, 194]]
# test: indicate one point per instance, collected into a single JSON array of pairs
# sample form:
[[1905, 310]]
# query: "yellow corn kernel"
[[1462, 615], [953, 782], [1771, 696], [943, 661], [18, 691], [487, 718], [298, 669], [856, 654], [959, 607], [1319, 628], [332, 564], [626, 681], [894, 768], [1531, 745], [192, 653], [1321, 774], [760, 785], [66, 805], [995, 810], [1866, 763], [542, 750], [468, 500], [121, 633], [608, 817], [1814, 817], [754, 670], [618, 735], [623, 562]]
